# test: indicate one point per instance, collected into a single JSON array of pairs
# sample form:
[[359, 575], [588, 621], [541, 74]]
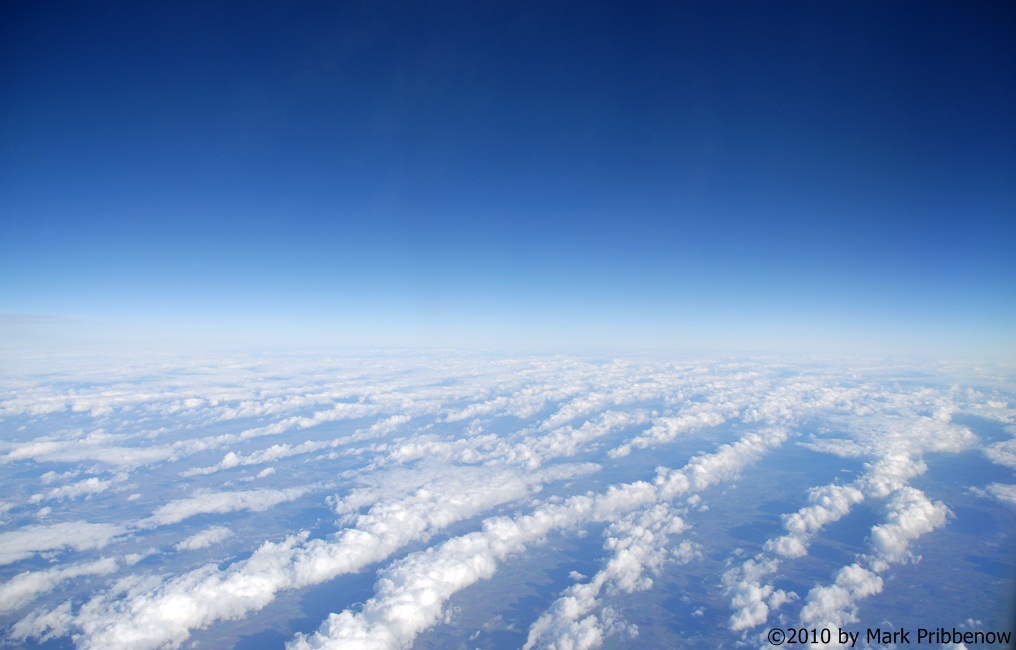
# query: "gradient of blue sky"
[[668, 174]]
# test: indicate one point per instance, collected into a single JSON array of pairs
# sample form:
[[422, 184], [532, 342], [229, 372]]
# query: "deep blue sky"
[[517, 173]]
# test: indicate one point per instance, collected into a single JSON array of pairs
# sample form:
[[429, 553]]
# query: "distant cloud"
[[910, 515], [78, 535], [204, 539], [74, 451], [897, 446], [220, 502], [666, 429], [1003, 453], [829, 504], [410, 596], [1002, 492], [92, 485], [25, 587], [640, 544], [164, 613]]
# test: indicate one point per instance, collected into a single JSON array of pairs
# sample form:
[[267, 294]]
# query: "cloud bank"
[[145, 503]]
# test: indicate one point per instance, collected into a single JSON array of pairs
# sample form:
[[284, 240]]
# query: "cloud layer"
[[147, 503]]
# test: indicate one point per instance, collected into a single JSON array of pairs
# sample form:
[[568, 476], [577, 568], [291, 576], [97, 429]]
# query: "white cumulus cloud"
[[78, 535], [204, 539]]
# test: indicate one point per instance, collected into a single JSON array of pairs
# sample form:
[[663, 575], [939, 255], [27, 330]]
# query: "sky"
[[822, 176]]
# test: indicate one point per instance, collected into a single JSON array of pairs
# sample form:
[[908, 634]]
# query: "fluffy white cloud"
[[220, 502], [666, 429], [204, 539], [895, 445], [1002, 492], [285, 450], [164, 613], [44, 624], [569, 623], [750, 599], [78, 535], [640, 543], [410, 596], [74, 451], [25, 587], [752, 602], [92, 485], [835, 606], [568, 440], [724, 465], [829, 504], [1002, 453], [911, 514]]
